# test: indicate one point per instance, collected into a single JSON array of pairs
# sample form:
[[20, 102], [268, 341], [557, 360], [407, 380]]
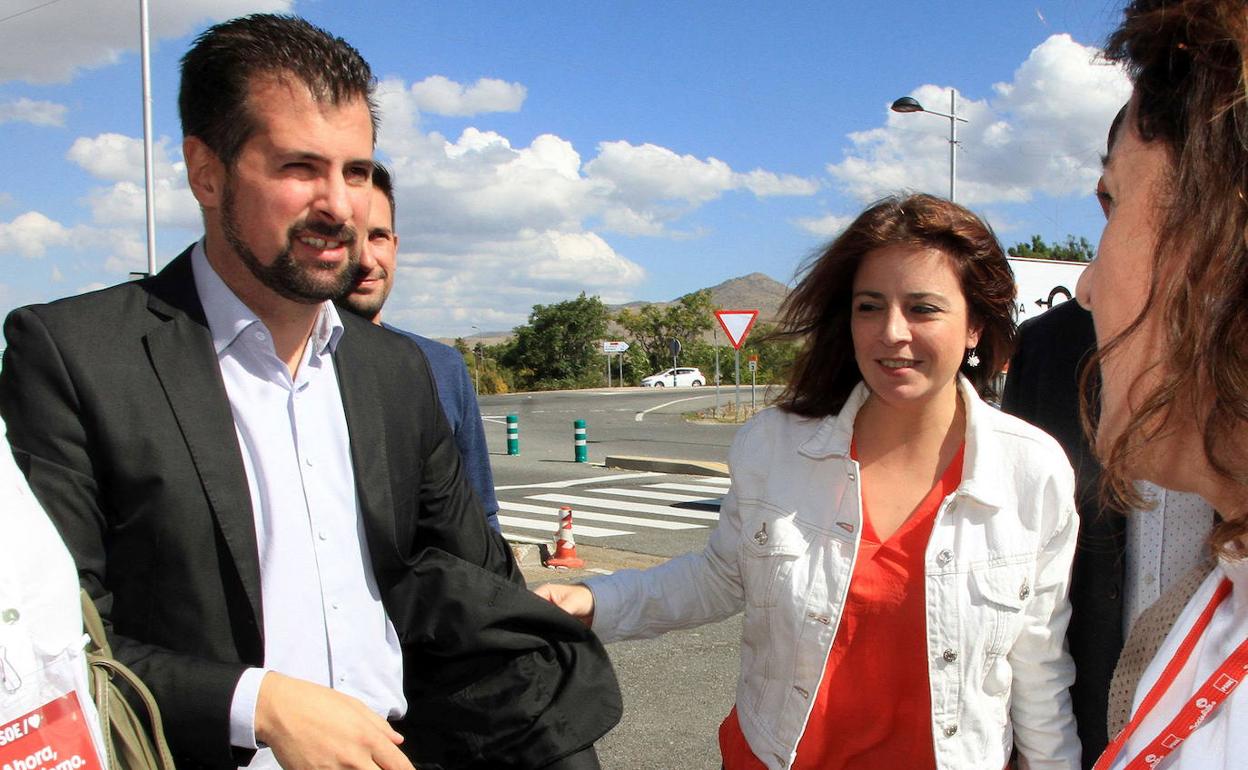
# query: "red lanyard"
[[1216, 689]]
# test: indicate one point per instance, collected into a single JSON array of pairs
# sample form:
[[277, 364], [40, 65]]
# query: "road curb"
[[668, 465]]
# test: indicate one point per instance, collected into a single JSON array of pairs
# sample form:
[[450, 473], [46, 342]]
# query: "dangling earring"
[[972, 360]]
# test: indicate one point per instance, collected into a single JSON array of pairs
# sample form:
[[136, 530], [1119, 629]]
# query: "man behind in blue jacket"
[[459, 399]]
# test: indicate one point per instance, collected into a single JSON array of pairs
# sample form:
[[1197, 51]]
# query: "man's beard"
[[301, 283], [366, 306]]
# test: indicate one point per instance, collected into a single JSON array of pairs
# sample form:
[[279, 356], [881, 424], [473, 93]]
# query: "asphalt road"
[[613, 427], [679, 687]]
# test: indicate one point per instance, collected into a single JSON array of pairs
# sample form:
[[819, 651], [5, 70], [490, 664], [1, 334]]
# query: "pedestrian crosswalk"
[[611, 506]]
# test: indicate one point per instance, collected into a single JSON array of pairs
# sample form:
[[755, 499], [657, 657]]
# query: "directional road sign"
[[614, 347]]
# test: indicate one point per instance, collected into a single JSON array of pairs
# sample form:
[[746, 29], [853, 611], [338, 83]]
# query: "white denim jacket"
[[997, 574]]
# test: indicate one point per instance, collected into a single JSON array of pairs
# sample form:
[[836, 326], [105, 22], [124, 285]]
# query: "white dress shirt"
[[1221, 742], [1163, 543], [323, 617]]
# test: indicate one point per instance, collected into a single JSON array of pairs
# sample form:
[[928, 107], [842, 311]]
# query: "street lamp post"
[[476, 367], [909, 104]]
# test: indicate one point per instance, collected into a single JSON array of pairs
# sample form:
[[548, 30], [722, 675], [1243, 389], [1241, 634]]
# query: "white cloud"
[[441, 96], [53, 43], [648, 186], [118, 158], [38, 113], [490, 228], [1042, 132], [31, 234], [827, 226], [495, 285]]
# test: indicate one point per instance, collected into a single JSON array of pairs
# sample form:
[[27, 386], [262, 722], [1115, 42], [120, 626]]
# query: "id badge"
[[49, 722]]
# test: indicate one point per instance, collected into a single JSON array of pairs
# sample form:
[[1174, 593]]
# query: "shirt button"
[[307, 461], [951, 731], [852, 477], [10, 616], [260, 336], [335, 605], [323, 535], [950, 656]]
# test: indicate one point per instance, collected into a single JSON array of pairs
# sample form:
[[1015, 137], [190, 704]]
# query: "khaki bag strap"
[[130, 744]]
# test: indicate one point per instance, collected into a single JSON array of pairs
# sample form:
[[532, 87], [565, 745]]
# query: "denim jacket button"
[[10, 616], [944, 557], [950, 656], [951, 731], [760, 537]]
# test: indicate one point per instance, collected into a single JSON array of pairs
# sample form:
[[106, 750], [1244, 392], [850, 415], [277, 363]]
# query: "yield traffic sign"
[[736, 324]]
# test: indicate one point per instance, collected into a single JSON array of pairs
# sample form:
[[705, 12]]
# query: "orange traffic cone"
[[565, 547]]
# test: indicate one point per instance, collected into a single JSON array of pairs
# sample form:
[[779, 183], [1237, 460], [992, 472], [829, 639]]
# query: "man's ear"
[[396, 248], [205, 173]]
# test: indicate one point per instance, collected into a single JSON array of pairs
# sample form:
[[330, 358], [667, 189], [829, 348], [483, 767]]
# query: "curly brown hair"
[[1189, 62], [818, 309]]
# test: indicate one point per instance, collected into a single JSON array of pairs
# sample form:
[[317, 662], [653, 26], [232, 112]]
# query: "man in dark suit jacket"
[[1043, 388], [127, 410]]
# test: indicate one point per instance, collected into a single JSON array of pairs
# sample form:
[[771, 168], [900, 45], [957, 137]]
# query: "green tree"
[[651, 327], [557, 348], [775, 356], [1072, 250]]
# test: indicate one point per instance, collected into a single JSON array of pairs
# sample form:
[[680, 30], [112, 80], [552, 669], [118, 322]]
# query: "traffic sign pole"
[[737, 393], [716, 335]]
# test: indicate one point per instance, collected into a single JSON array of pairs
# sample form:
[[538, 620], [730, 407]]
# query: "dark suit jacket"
[[1043, 388], [117, 412]]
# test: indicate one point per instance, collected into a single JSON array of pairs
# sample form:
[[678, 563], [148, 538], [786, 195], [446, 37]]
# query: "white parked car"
[[685, 377]]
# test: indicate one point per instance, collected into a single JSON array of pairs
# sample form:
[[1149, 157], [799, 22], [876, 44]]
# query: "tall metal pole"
[[715, 332], [953, 145], [148, 165]]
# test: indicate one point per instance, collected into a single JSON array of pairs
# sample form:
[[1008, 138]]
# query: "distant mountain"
[[755, 291]]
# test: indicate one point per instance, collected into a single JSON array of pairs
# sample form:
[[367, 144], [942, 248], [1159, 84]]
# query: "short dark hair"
[[224, 60], [1189, 62], [818, 310], [385, 183]]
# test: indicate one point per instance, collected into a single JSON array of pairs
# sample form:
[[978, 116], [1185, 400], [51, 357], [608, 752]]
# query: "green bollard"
[[582, 446], [513, 434]]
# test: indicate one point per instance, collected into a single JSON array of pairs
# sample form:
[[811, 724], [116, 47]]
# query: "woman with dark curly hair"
[[901, 549], [1169, 298]]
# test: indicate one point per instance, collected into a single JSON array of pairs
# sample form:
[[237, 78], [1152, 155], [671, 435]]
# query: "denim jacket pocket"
[[771, 544], [1000, 590]]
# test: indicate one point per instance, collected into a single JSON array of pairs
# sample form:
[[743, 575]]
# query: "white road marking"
[[578, 531], [648, 495], [515, 537], [689, 488], [578, 482], [625, 505], [642, 415], [609, 518]]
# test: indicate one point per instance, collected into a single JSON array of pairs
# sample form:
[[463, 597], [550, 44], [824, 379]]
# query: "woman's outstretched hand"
[[576, 600]]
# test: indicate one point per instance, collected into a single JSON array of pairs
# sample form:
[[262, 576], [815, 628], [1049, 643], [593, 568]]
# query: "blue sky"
[[634, 150]]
